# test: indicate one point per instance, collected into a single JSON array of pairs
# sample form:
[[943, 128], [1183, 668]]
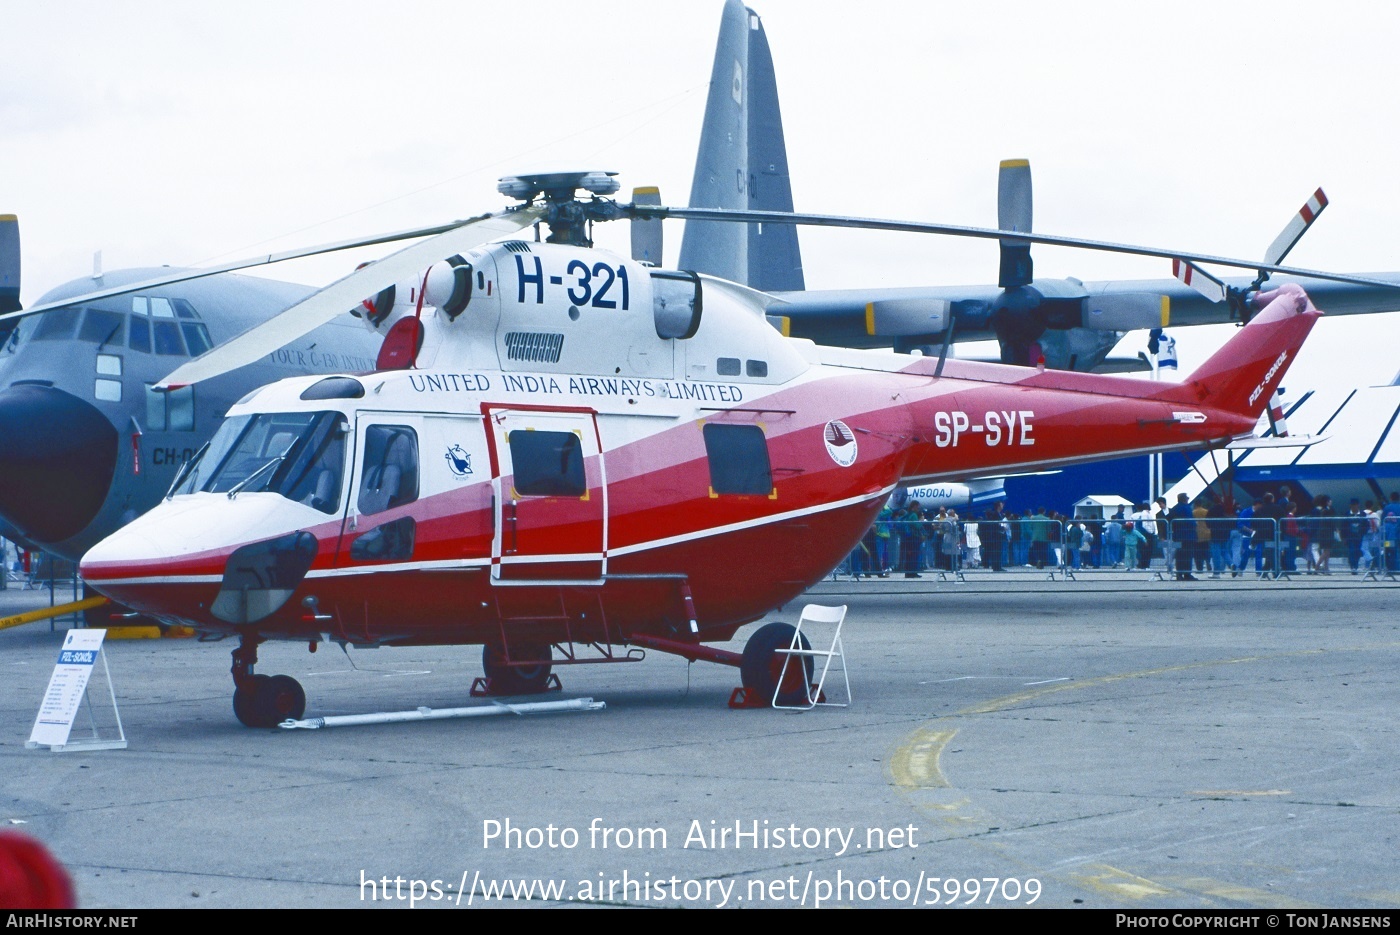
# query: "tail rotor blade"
[[1296, 228], [1198, 279], [347, 292], [1014, 214], [646, 235]]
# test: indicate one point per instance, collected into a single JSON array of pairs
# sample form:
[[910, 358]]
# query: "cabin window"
[[727, 366], [547, 464], [390, 474], [391, 542], [167, 334], [738, 456], [140, 337], [170, 410], [757, 368], [57, 325], [108, 391], [103, 328]]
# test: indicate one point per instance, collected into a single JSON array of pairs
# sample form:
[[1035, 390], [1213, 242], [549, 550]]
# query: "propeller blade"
[[956, 230], [347, 292], [185, 275], [1296, 228], [9, 263], [1128, 311], [1198, 279], [1014, 214], [907, 317], [646, 235]]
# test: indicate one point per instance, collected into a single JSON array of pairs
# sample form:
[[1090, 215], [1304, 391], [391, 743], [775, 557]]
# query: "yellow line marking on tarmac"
[[1010, 701], [914, 768], [1249, 895], [1118, 884], [915, 763]]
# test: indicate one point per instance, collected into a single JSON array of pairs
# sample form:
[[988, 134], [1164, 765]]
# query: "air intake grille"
[[516, 246], [540, 347]]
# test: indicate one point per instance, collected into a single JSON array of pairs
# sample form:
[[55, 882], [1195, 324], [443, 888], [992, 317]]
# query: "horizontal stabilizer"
[[1272, 441]]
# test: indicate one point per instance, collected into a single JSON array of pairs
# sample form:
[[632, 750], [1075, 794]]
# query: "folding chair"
[[819, 614]]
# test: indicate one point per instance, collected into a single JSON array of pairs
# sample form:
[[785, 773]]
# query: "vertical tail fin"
[[1244, 374], [742, 163]]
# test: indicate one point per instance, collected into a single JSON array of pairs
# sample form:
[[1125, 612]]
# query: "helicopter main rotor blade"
[[345, 293], [985, 233], [185, 275]]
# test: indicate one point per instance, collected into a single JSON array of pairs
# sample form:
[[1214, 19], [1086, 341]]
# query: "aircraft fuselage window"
[[547, 464], [390, 474], [103, 328], [757, 368], [299, 455], [108, 391], [738, 456], [161, 308], [196, 336], [167, 335], [109, 364], [727, 366], [180, 406], [57, 325], [140, 336], [139, 305], [172, 410]]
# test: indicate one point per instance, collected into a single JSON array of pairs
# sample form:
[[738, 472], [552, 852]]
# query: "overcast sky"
[[180, 133]]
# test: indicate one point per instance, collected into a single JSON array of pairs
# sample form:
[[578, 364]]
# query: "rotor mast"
[[569, 217]]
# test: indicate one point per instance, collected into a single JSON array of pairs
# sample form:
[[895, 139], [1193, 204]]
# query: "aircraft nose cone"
[[57, 458]]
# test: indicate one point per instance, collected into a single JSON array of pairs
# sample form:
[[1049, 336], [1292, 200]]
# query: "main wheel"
[[245, 701], [269, 700], [517, 679], [762, 665]]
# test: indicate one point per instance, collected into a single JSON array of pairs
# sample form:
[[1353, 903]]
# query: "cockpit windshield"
[[300, 455]]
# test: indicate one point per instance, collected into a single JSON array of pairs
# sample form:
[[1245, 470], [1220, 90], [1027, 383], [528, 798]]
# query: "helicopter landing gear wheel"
[[263, 700], [762, 665], [505, 679], [268, 700]]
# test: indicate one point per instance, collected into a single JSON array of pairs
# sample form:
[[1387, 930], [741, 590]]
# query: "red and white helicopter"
[[567, 456]]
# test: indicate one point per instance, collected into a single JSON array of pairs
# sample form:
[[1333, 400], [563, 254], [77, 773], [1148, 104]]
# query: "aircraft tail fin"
[[742, 163], [1245, 373]]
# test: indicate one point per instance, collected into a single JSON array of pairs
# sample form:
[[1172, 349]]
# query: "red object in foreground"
[[30, 877]]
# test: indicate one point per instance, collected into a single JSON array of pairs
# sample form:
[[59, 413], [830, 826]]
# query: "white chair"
[[822, 615]]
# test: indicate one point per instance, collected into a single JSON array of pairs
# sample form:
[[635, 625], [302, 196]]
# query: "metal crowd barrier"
[[1219, 547]]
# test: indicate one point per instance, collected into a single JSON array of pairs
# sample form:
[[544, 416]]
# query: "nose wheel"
[[263, 700]]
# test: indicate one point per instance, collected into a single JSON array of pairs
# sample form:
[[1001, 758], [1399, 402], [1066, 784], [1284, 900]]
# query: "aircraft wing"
[[918, 315]]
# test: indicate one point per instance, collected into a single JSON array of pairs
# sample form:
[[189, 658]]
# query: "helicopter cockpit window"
[[299, 455], [547, 464], [390, 476], [738, 456]]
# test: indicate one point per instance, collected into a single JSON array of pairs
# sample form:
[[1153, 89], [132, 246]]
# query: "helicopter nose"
[[57, 458]]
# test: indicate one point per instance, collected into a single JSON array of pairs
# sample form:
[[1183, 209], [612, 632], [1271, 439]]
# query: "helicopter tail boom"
[[1246, 371]]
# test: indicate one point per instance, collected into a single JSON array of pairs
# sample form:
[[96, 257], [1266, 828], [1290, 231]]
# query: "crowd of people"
[[1272, 535]]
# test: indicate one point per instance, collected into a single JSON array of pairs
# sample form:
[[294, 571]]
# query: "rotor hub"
[[569, 215]]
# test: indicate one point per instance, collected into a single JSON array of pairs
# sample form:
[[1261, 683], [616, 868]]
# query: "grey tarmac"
[[1120, 743]]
